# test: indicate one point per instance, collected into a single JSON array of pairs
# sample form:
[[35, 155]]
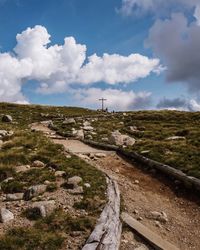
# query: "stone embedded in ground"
[[6, 215], [105, 139], [86, 123], [77, 190], [158, 216], [172, 138], [133, 128], [141, 247], [129, 141], [22, 168], [38, 164], [14, 197], [75, 180], [44, 208], [34, 191], [60, 173], [88, 128], [8, 179], [7, 118], [69, 121], [87, 185], [100, 155]]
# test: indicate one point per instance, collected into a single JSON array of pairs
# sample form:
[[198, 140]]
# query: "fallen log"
[[107, 232]]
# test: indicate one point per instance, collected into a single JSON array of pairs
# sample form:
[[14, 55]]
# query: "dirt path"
[[143, 194]]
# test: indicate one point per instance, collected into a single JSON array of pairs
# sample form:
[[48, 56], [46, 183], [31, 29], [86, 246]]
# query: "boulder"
[[118, 139], [80, 134], [6, 215], [60, 173], [75, 180], [34, 191], [7, 118], [22, 168], [44, 208], [38, 164], [14, 197], [69, 121]]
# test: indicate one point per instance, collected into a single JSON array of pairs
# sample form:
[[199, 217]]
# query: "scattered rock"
[[38, 164], [89, 137], [60, 173], [68, 121], [22, 168], [80, 134], [6, 215], [129, 141], [133, 128], [47, 182], [158, 216], [34, 191], [86, 123], [44, 208], [105, 139], [136, 182], [88, 128], [8, 179], [7, 118], [77, 190], [100, 155], [141, 247], [145, 152], [14, 197], [172, 138], [75, 180], [87, 185]]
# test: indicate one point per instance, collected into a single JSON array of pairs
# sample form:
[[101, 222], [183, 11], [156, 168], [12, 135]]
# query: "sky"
[[138, 54]]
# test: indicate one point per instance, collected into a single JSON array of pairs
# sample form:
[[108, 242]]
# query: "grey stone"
[[14, 197], [44, 208], [69, 121], [77, 190], [22, 168], [80, 134], [34, 191], [7, 118], [38, 164], [60, 173], [172, 138], [158, 216], [6, 215], [75, 180]]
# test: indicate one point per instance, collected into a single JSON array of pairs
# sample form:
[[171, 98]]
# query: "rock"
[[118, 139], [121, 123], [145, 152], [77, 190], [34, 191], [14, 197], [7, 118], [47, 182], [38, 164], [6, 215], [141, 247], [89, 137], [172, 138], [133, 128], [129, 141], [1, 143], [44, 208], [69, 121], [100, 155], [3, 133], [105, 139], [80, 134], [86, 123], [75, 180], [88, 128], [22, 168], [8, 179], [60, 173], [136, 182], [87, 185], [158, 216]]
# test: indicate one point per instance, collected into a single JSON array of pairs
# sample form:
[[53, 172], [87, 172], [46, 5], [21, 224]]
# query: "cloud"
[[179, 104], [116, 99], [60, 67], [177, 43], [156, 7]]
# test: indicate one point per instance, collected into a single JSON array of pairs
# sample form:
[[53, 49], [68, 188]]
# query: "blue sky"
[[34, 73]]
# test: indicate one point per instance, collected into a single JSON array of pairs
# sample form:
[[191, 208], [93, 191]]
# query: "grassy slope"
[[23, 148]]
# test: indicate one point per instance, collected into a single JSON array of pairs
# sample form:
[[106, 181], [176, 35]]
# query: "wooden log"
[[155, 240], [107, 232]]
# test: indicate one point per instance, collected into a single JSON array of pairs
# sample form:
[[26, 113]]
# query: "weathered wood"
[[155, 240], [107, 232]]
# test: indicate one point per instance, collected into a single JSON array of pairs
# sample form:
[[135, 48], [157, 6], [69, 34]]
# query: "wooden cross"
[[102, 102]]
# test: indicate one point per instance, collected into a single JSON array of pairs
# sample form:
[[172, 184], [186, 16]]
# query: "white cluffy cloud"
[[56, 67], [116, 99]]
